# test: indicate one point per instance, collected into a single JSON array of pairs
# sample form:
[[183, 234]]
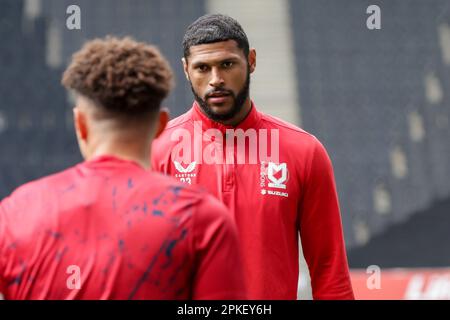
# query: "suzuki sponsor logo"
[[277, 193]]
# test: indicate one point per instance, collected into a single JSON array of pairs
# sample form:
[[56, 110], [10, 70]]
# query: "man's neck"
[[126, 151]]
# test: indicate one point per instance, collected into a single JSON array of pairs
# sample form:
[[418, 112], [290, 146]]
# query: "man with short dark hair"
[[108, 228], [276, 179]]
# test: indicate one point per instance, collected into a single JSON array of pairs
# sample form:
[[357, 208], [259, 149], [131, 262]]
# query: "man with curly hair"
[[108, 228]]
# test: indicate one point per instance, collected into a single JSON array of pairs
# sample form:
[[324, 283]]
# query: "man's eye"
[[227, 64], [202, 68]]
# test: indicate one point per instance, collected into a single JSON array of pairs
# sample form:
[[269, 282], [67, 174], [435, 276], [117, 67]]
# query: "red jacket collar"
[[250, 121]]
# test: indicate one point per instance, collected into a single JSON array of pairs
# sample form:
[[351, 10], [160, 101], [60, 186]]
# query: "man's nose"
[[216, 78]]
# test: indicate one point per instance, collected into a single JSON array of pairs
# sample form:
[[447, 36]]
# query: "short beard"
[[239, 101]]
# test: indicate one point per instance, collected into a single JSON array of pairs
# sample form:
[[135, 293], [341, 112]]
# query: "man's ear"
[[185, 68], [80, 121], [252, 59], [161, 123]]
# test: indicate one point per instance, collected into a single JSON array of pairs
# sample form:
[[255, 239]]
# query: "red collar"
[[250, 121]]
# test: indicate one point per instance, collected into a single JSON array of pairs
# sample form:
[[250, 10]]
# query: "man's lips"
[[217, 100], [217, 97], [217, 94]]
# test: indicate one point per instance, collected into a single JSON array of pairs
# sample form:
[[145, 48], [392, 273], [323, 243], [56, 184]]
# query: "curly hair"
[[212, 28], [121, 75]]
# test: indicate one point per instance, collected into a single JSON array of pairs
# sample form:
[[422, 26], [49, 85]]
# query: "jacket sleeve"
[[321, 230]]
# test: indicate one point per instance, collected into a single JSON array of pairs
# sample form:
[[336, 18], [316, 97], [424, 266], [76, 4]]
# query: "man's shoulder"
[[163, 144], [31, 192], [273, 121], [180, 121], [288, 130]]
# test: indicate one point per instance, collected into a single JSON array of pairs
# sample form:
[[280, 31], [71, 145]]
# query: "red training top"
[[270, 199], [108, 229]]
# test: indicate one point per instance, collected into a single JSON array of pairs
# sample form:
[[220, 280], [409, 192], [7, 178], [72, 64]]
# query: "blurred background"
[[379, 100]]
